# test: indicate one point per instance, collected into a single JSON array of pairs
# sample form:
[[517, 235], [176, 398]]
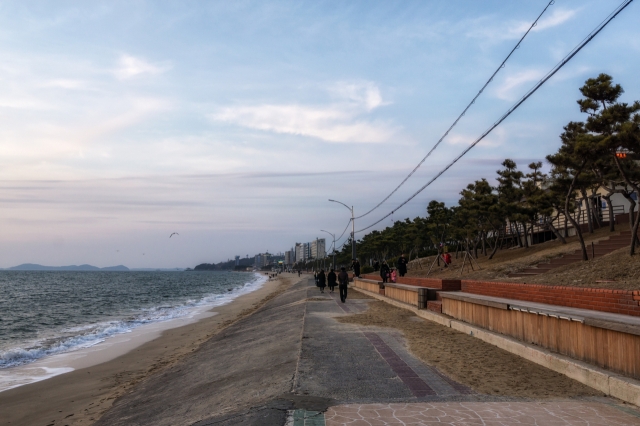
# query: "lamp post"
[[353, 229], [334, 247]]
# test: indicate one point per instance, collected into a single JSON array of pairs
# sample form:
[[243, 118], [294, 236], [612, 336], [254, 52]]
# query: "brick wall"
[[605, 300], [447, 285]]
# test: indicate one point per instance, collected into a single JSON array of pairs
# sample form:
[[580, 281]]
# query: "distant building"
[[289, 257], [318, 248], [237, 260], [261, 260], [303, 252]]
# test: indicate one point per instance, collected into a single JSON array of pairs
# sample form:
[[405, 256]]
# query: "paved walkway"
[[430, 397], [292, 363], [480, 413]]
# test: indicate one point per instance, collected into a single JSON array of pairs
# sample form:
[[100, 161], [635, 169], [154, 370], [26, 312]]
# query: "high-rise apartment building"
[[318, 248], [261, 260], [289, 257]]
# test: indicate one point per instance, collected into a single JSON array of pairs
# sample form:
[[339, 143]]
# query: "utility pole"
[[353, 228]]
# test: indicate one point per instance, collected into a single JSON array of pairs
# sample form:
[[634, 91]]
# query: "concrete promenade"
[[293, 363]]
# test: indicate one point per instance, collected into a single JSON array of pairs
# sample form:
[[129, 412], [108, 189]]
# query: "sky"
[[233, 123]]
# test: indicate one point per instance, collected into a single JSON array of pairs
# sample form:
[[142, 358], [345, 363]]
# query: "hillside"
[[616, 270]]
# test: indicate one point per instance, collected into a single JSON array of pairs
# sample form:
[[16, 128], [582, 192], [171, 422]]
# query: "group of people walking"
[[342, 278], [330, 279]]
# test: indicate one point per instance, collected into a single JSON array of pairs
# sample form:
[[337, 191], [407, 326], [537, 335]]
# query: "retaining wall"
[[612, 350], [625, 302], [437, 283], [365, 285]]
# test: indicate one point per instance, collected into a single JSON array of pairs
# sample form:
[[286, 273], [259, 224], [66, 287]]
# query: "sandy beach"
[[80, 397]]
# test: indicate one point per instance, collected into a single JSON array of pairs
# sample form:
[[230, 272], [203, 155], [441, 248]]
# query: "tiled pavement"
[[461, 406], [566, 413], [421, 379]]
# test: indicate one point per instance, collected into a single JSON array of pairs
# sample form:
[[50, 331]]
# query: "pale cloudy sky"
[[232, 123]]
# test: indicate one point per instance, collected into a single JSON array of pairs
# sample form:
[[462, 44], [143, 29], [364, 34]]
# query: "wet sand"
[[80, 397]]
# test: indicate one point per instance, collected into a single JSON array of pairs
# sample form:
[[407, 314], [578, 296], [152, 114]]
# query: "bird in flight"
[[175, 233]]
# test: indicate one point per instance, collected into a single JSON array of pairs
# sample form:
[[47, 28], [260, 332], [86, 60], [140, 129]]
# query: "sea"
[[45, 314]]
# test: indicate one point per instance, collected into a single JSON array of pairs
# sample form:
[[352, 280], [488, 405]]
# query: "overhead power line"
[[531, 91], [517, 46], [345, 230]]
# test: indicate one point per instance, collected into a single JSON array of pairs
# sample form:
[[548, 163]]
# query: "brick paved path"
[[480, 413]]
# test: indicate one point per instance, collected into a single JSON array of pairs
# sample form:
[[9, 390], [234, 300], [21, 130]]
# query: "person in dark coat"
[[376, 265], [331, 280], [322, 280], [343, 282], [356, 267], [384, 271], [402, 265]]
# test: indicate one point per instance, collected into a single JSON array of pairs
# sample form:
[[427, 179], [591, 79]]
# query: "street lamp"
[[353, 229], [334, 247]]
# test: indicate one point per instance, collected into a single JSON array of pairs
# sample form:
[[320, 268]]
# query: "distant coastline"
[[36, 267]]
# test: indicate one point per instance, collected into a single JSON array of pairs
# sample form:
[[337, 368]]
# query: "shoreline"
[[115, 345], [81, 396]]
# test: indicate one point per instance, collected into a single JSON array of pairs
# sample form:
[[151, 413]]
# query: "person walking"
[[356, 267], [331, 280], [376, 265], [384, 271], [402, 265], [322, 280], [343, 281], [393, 276]]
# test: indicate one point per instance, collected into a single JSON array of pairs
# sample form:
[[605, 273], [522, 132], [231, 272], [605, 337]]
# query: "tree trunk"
[[596, 212], [495, 248], [557, 234], [566, 226], [484, 243], [634, 236], [587, 209], [526, 234], [517, 234], [576, 225], [475, 247], [612, 224], [573, 221]]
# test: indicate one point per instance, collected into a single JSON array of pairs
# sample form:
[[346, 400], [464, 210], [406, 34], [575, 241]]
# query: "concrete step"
[[535, 271], [521, 274], [546, 266], [561, 262], [566, 258], [614, 246]]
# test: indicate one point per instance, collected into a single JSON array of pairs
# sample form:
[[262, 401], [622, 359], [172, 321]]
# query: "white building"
[[318, 250]]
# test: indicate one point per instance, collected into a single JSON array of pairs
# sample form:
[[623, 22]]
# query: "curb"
[[607, 382]]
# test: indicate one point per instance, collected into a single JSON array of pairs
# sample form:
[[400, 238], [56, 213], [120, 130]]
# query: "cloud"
[[364, 94], [515, 29], [496, 138], [558, 17], [340, 122], [506, 90], [130, 66]]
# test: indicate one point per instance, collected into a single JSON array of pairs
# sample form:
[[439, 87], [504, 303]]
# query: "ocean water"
[[49, 313]]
